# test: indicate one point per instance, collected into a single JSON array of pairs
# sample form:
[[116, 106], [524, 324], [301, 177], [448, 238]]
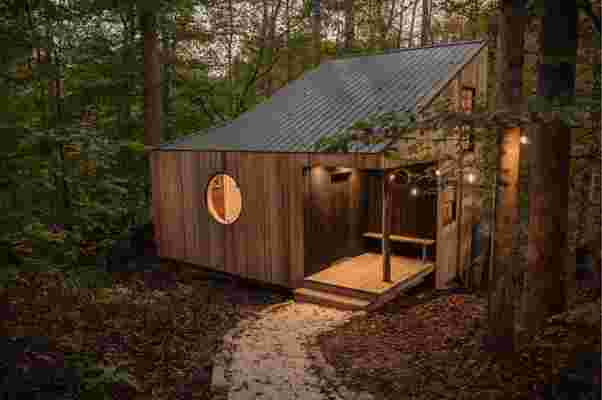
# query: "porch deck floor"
[[365, 273]]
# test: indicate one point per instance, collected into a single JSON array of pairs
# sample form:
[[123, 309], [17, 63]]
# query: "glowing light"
[[524, 140], [438, 172], [414, 191], [471, 177], [392, 177]]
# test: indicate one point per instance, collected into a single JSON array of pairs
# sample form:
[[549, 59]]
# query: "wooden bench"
[[404, 239]]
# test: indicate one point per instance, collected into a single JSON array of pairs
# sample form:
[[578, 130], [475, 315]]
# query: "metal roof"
[[334, 96]]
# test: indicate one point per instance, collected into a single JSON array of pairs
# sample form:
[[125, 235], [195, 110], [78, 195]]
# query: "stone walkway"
[[265, 358]]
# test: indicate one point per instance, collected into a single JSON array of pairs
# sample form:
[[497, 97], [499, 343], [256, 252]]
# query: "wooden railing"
[[404, 239]]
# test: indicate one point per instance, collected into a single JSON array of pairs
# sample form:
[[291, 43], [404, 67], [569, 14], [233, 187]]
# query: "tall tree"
[[545, 289], [401, 20], [316, 32], [510, 57], [387, 25], [349, 25], [152, 77], [412, 23], [128, 20], [425, 34]]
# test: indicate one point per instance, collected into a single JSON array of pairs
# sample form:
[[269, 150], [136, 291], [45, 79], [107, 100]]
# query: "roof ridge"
[[402, 49]]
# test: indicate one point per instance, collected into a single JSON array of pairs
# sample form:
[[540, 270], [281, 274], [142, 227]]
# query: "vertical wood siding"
[[334, 218], [266, 243]]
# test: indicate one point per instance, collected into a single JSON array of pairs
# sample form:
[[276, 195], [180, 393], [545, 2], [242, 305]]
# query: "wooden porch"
[[357, 283]]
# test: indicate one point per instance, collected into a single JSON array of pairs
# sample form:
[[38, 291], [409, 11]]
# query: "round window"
[[223, 199]]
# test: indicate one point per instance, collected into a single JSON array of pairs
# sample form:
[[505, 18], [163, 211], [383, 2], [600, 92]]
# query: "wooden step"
[[329, 299], [312, 284]]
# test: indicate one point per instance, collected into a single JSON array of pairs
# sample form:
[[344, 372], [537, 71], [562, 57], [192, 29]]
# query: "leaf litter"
[[165, 339], [429, 345]]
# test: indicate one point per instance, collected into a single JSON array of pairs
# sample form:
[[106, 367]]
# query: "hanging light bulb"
[[524, 139]]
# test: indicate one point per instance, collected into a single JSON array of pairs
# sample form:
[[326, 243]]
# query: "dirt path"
[[265, 358]]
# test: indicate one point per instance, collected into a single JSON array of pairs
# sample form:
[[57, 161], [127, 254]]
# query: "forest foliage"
[[74, 169]]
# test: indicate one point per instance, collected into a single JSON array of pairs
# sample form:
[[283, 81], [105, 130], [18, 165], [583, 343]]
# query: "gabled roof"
[[334, 96]]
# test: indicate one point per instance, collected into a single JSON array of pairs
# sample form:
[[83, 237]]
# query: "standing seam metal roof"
[[333, 97]]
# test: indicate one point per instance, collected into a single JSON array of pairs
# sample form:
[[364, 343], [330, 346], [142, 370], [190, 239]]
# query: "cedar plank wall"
[[265, 243]]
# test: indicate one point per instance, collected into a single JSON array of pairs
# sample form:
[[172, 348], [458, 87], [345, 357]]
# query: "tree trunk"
[[594, 244], [129, 34], [546, 278], [400, 31], [168, 70], [412, 22], [349, 25], [501, 288], [232, 103], [289, 53], [425, 33], [316, 32], [386, 28], [152, 80]]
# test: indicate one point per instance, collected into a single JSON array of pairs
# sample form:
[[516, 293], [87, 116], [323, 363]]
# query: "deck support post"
[[386, 243]]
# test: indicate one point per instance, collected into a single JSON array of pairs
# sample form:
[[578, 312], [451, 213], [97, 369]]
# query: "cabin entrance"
[[334, 216], [343, 236]]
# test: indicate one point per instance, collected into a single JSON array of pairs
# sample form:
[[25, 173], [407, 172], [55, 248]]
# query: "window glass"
[[224, 199]]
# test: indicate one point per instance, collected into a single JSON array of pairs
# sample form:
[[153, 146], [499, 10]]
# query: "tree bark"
[[400, 31], [168, 71], [546, 278], [316, 32], [349, 25], [152, 80], [501, 288], [386, 28], [425, 33], [289, 53], [594, 243], [129, 34], [412, 22]]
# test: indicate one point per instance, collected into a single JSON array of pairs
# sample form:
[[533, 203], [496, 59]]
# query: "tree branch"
[[586, 6]]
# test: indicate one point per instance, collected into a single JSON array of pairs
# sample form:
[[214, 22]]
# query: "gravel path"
[[266, 358]]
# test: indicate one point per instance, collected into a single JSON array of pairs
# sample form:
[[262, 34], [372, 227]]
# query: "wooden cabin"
[[252, 198]]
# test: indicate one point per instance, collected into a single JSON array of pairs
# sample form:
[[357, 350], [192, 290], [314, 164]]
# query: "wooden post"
[[459, 213], [386, 243]]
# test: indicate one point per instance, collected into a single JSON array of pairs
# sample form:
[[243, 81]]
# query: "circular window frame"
[[209, 203]]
